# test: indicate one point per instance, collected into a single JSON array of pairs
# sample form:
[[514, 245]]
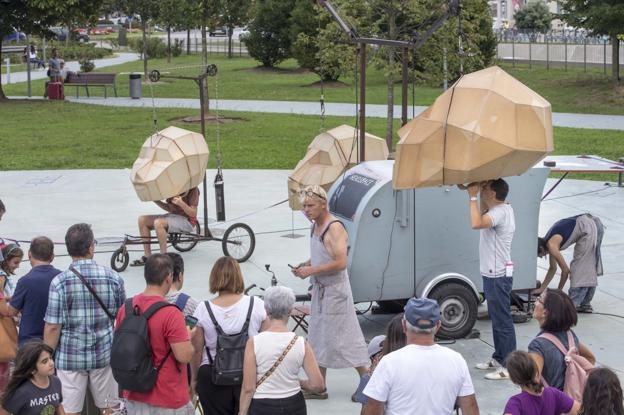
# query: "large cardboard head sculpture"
[[171, 162], [328, 156], [488, 125]]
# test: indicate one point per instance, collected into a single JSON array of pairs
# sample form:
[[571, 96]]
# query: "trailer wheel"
[[238, 242], [120, 259], [458, 309]]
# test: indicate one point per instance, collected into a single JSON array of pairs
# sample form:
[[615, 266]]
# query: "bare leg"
[[160, 225], [146, 224]]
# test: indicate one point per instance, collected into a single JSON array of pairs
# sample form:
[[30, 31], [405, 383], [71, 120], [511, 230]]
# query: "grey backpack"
[[227, 366]]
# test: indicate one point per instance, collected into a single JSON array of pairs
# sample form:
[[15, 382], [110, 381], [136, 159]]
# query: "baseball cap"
[[418, 309], [375, 345]]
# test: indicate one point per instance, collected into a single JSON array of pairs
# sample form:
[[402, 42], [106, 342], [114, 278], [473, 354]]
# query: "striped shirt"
[[86, 332]]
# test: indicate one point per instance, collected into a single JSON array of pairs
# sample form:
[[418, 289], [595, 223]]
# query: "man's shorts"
[[140, 408], [178, 223], [74, 386]]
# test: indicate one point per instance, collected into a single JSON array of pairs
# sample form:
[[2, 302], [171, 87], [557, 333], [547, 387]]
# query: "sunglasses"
[[310, 193]]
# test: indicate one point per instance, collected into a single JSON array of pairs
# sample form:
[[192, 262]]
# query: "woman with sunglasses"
[[556, 315]]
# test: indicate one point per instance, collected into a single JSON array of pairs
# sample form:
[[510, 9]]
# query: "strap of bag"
[[151, 310], [218, 327], [249, 311], [277, 362], [92, 291], [554, 340]]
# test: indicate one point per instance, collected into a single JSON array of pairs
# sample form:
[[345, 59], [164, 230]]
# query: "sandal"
[[139, 262]]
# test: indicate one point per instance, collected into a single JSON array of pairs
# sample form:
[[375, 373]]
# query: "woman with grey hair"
[[273, 360]]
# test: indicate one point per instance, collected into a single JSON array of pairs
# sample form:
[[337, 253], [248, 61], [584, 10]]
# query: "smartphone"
[[190, 321], [292, 267]]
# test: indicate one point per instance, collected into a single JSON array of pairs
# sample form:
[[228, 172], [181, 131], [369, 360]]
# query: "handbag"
[[277, 362], [8, 339]]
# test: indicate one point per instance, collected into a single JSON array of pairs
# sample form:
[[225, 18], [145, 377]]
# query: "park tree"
[[269, 36], [318, 44], [149, 11], [35, 17], [601, 17], [234, 13], [534, 16], [173, 13]]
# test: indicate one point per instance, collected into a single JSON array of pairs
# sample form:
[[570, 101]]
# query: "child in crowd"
[[535, 399], [33, 388], [12, 255], [602, 394]]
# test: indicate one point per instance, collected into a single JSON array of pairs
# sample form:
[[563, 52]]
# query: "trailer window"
[[345, 201]]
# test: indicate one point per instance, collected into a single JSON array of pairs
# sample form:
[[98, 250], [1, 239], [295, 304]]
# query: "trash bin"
[[135, 85]]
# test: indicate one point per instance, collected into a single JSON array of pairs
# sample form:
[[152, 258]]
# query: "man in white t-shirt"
[[496, 222], [422, 378]]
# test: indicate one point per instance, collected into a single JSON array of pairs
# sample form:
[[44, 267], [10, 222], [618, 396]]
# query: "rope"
[[218, 123]]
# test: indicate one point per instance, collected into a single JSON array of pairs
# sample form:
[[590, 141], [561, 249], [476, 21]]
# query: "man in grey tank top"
[[496, 223], [334, 331]]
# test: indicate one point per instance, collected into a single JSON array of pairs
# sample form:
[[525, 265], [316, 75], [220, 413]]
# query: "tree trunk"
[[2, 96], [615, 58], [168, 44], [144, 35], [188, 41], [203, 35], [230, 30]]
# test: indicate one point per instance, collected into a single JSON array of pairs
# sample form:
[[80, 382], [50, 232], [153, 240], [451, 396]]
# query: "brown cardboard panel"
[[171, 162], [487, 125], [328, 156]]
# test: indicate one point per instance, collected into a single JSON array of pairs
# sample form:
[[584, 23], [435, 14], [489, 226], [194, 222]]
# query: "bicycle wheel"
[[239, 242], [184, 242], [120, 259]]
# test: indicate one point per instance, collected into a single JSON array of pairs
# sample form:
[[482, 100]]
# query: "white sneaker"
[[499, 374], [489, 365]]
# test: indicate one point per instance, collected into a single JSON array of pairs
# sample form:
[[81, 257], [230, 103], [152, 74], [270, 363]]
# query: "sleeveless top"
[[284, 381]]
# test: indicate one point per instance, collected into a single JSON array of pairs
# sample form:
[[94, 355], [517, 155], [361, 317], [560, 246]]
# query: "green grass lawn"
[[61, 135], [240, 78]]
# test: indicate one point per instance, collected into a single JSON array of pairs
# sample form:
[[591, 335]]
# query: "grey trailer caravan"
[[419, 242]]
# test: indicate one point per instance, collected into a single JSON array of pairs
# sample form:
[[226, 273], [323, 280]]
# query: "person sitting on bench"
[[181, 218]]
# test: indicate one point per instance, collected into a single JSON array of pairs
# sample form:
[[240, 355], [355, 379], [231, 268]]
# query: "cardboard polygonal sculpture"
[[171, 162], [487, 125], [328, 156]]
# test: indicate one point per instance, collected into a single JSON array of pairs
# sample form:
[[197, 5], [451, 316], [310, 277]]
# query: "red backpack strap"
[[554, 340]]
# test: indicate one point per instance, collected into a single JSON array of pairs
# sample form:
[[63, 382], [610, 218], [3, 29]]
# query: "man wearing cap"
[[422, 378], [494, 219], [334, 332]]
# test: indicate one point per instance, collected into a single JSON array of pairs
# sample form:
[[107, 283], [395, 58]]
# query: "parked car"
[[60, 34], [218, 31], [15, 37]]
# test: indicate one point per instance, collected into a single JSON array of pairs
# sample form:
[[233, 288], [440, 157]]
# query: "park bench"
[[88, 79]]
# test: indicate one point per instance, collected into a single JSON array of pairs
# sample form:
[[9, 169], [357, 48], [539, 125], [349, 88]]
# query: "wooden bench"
[[87, 79]]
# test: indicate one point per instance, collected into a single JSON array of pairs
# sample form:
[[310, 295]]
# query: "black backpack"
[[227, 368], [131, 354]]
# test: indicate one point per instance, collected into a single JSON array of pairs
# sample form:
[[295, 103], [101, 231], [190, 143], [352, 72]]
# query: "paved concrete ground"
[[589, 121], [118, 59], [47, 202]]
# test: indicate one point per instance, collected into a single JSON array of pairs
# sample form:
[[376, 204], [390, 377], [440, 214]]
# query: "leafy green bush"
[[156, 48], [176, 47], [268, 40], [86, 65], [76, 51]]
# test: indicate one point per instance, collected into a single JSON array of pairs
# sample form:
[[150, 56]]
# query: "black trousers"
[[216, 399], [293, 405]]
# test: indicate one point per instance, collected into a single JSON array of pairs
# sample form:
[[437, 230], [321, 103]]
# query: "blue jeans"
[[581, 296], [497, 292]]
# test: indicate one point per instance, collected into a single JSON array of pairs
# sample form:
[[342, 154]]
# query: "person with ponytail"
[[535, 399], [33, 389], [602, 394]]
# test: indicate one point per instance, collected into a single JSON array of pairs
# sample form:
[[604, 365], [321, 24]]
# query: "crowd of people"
[[163, 351]]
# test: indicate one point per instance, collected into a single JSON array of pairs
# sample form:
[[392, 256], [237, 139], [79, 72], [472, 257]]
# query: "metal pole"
[[362, 156], [513, 51], [530, 57], [202, 109], [404, 70], [565, 50], [43, 52], [604, 57], [445, 68]]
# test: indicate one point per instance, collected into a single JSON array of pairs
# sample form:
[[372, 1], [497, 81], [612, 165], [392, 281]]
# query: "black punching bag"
[[219, 195]]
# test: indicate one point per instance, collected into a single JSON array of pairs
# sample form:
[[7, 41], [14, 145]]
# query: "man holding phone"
[[334, 331]]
